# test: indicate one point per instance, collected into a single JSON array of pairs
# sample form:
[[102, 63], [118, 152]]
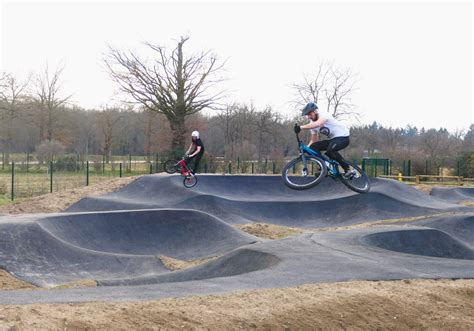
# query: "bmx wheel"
[[171, 166], [190, 181]]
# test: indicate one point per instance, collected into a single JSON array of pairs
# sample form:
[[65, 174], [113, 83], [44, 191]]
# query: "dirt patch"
[[78, 284], [423, 188], [8, 282], [269, 231], [175, 264], [408, 304]]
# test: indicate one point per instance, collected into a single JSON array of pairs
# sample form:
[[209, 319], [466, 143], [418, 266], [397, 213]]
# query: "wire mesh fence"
[[26, 178]]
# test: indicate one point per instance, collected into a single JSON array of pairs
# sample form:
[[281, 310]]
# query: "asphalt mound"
[[58, 249], [244, 199], [459, 226], [117, 239], [426, 242], [181, 234], [238, 262], [34, 255], [454, 194]]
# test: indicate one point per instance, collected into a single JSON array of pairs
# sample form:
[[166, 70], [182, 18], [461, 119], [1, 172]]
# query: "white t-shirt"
[[336, 128]]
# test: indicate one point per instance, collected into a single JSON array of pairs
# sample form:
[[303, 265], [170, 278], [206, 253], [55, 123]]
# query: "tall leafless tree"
[[12, 93], [338, 93], [336, 85], [266, 123], [174, 84], [108, 123], [313, 85], [48, 90]]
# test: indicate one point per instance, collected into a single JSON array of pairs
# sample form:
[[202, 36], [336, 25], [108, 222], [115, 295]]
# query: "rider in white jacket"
[[324, 123]]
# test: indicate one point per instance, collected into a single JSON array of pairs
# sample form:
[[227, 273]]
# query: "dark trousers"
[[332, 146], [196, 159]]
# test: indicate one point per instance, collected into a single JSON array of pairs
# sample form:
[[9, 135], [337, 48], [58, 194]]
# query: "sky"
[[413, 60]]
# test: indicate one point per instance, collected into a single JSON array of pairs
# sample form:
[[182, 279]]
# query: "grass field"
[[37, 180]]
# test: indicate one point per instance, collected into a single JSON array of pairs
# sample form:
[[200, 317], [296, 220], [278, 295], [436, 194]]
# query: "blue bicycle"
[[310, 168]]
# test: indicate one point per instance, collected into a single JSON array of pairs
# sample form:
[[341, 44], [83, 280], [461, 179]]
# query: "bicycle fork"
[[305, 165]]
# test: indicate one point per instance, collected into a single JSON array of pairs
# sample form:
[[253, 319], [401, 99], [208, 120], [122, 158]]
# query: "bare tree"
[[313, 85], [48, 89], [336, 85], [12, 94], [174, 85], [108, 122], [266, 123], [339, 92]]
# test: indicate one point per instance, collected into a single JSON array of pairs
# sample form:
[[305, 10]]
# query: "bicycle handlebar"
[[298, 138]]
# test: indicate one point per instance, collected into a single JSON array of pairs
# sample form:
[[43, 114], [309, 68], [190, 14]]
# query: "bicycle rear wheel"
[[359, 182], [190, 181], [171, 166], [296, 177]]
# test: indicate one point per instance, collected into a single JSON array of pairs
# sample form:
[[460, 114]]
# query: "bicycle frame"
[[184, 168], [332, 165]]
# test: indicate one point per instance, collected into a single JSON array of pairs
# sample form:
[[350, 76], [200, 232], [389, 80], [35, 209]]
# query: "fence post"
[[28, 159], [252, 168], [273, 167], [103, 164], [13, 180], [151, 168], [426, 167], [87, 173], [230, 167], [238, 164], [409, 168], [417, 178], [51, 177], [120, 170]]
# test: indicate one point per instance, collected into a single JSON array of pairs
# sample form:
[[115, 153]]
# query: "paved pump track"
[[118, 239]]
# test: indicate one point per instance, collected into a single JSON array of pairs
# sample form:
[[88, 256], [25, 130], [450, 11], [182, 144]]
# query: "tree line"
[[239, 132]]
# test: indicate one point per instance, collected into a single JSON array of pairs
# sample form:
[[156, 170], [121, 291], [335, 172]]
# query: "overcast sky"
[[414, 61]]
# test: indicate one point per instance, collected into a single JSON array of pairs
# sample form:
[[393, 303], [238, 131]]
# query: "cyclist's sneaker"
[[349, 174]]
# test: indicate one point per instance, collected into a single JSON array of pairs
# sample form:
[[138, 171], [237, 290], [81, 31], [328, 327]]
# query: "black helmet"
[[309, 108]]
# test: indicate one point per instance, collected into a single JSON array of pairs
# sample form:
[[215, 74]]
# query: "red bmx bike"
[[173, 166]]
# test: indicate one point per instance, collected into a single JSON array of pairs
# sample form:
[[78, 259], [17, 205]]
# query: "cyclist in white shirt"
[[324, 123]]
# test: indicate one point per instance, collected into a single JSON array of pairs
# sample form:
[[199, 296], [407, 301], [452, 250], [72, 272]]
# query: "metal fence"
[[27, 178]]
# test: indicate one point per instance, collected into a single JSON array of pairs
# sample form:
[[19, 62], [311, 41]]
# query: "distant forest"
[[238, 132]]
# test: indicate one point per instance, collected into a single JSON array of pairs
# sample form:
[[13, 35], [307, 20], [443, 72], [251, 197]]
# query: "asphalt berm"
[[117, 239]]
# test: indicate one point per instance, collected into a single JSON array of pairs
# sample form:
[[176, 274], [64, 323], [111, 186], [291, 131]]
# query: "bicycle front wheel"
[[358, 182], [297, 177], [171, 166], [190, 181]]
